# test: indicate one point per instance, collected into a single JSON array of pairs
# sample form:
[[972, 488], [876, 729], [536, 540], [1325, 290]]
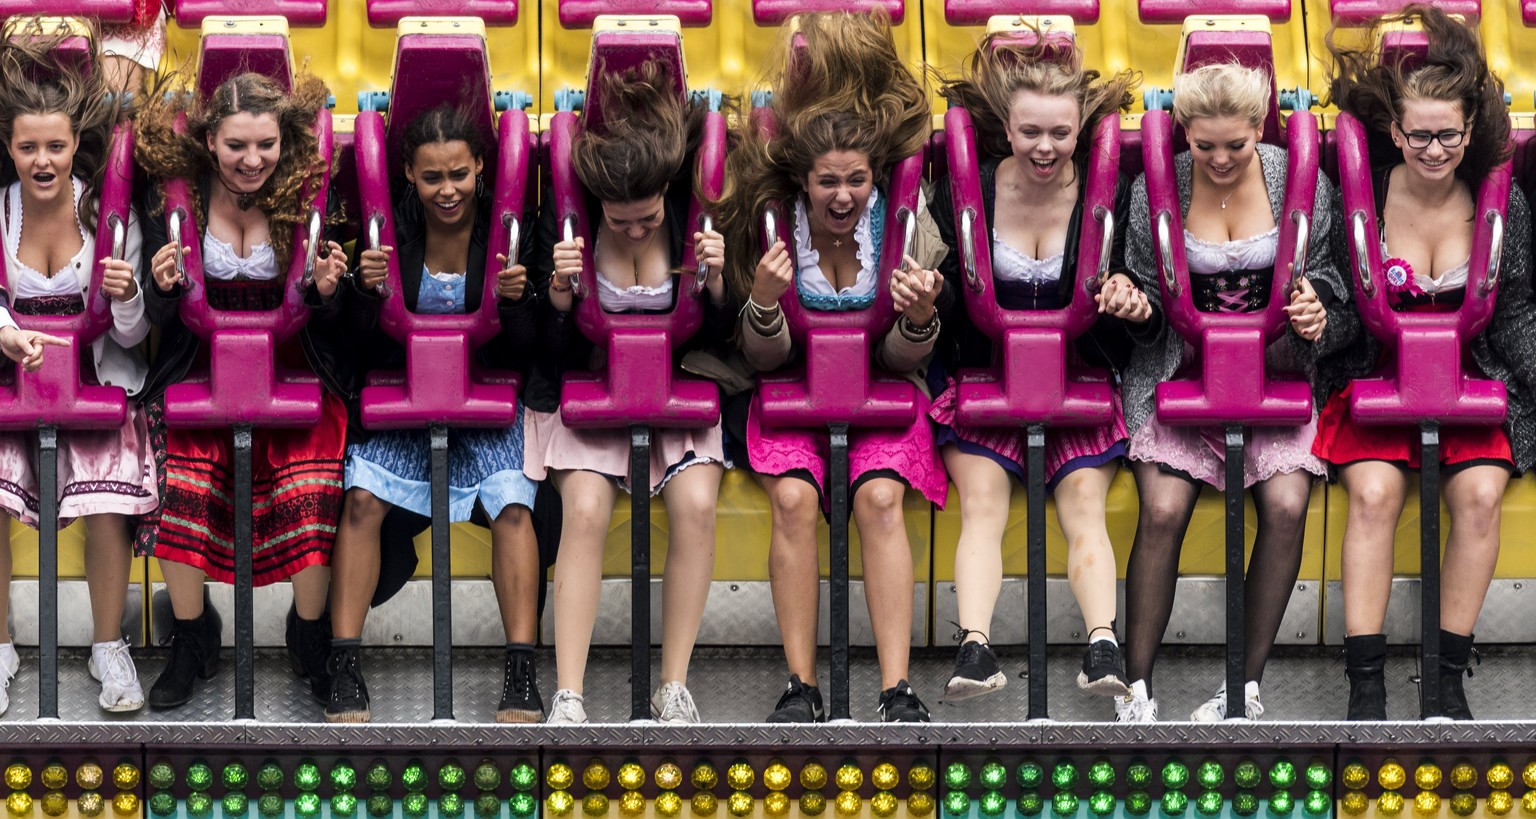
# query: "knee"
[[794, 504], [1164, 515], [695, 504], [1375, 501], [1287, 508], [1480, 503], [878, 504], [363, 508], [986, 502], [1076, 494], [515, 515], [586, 509]]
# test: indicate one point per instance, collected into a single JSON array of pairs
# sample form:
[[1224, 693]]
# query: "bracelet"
[[761, 311], [915, 333], [556, 287]]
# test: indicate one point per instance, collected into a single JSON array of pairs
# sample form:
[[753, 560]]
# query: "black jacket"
[[567, 347], [1106, 344], [323, 336]]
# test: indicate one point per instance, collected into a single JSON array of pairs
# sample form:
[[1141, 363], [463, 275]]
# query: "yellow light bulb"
[[813, 777], [740, 776], [704, 776], [560, 777], [739, 803], [921, 777], [560, 803], [126, 803], [705, 803], [777, 776], [55, 803], [1390, 803], [18, 777], [669, 777], [1500, 776], [1427, 776], [1426, 803], [1463, 776], [19, 803], [125, 776], [884, 804], [1355, 776], [668, 803], [812, 803], [920, 804], [849, 803], [631, 776], [1391, 776], [776, 803], [596, 776], [594, 804], [885, 777], [632, 803], [1354, 803], [1500, 803]]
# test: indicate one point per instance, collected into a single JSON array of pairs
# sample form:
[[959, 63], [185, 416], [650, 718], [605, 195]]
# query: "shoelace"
[[1102, 652], [888, 699], [961, 633], [346, 679], [116, 665], [1133, 709], [565, 707], [675, 703], [515, 682]]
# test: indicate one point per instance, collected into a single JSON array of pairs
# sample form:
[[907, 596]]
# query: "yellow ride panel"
[[71, 552]]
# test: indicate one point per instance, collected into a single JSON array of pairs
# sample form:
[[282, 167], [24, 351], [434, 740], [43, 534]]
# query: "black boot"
[[1456, 658], [194, 656], [1365, 663], [348, 693], [309, 647]]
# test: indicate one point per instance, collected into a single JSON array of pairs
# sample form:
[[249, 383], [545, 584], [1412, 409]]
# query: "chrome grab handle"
[[1165, 251], [706, 224], [1106, 244], [568, 228], [1495, 253], [1303, 240], [770, 227], [1362, 255], [968, 249], [178, 216], [908, 221], [514, 237], [119, 244], [312, 259], [376, 241]]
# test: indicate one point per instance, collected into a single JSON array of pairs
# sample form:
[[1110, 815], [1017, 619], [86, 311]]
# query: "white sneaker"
[[1136, 707], [9, 664], [566, 709], [112, 666], [672, 704], [1215, 708]]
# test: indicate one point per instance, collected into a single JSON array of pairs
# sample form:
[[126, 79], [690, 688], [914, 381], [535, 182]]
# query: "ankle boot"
[[309, 647], [1365, 663], [1456, 659], [194, 656]]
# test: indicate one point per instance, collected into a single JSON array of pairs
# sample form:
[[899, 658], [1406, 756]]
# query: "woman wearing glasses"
[[1448, 128]]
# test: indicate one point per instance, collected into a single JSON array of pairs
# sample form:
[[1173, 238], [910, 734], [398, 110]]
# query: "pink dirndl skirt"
[[551, 445], [108, 471]]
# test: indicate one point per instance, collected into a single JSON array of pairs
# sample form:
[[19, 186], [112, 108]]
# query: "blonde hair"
[[1222, 90]]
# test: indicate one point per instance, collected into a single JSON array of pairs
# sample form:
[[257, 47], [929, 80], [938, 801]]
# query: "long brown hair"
[[164, 154], [1454, 70], [645, 138], [846, 91], [34, 80], [998, 71]]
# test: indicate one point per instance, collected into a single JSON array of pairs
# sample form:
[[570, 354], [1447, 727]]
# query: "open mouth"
[[1043, 167], [44, 178], [449, 208], [1222, 170], [1434, 164], [840, 215], [250, 175]]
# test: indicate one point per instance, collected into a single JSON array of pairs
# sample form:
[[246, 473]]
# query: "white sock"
[[1139, 689], [1103, 635]]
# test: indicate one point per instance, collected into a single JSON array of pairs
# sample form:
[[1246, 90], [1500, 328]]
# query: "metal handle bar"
[[908, 221], [968, 249], [568, 226], [1165, 251], [1495, 253], [770, 227], [178, 216], [312, 259], [706, 224], [1362, 255], [1303, 240], [1106, 244], [514, 237]]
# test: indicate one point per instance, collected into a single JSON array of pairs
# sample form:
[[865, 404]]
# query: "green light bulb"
[[1247, 774], [1101, 803], [957, 776], [235, 776], [1281, 803], [380, 806], [342, 805], [1030, 803], [199, 803], [993, 803], [1283, 774], [1030, 775], [414, 777], [1138, 775], [1319, 776], [1174, 803], [306, 777], [1138, 803], [236, 804], [1064, 804], [343, 776], [1245, 803], [1210, 774], [162, 776], [450, 804], [1064, 777], [1101, 774], [414, 804], [163, 803], [307, 804], [199, 776], [487, 804], [522, 804], [956, 803], [1175, 774], [487, 778], [1317, 804], [450, 776], [523, 776], [270, 805], [1209, 803], [994, 775], [378, 777]]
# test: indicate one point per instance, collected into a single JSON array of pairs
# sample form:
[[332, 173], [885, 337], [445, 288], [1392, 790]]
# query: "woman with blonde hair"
[[1231, 187], [847, 111], [1034, 114]]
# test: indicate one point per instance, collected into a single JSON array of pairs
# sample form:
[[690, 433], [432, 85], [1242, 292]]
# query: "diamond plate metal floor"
[[732, 685]]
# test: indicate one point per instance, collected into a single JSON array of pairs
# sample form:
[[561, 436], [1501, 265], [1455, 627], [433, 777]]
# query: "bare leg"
[[108, 559], [123, 74], [1090, 556], [311, 586], [1167, 502], [5, 579], [1377, 491], [984, 489], [588, 500], [355, 562], [794, 571], [1272, 569], [185, 585], [515, 573], [691, 496], [1475, 497], [887, 573]]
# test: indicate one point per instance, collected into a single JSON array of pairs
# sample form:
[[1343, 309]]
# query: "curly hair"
[[999, 70], [286, 197], [34, 80], [1454, 70], [847, 90], [644, 140]]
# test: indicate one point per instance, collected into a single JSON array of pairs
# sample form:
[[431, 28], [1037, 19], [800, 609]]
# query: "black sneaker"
[[900, 704], [194, 656], [309, 650], [976, 673], [348, 693], [520, 700], [1103, 670], [800, 703]]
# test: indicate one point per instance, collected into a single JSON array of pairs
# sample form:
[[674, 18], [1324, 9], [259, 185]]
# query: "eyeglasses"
[[1421, 139]]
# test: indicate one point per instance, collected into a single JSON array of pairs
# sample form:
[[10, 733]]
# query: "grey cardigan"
[[1159, 350]]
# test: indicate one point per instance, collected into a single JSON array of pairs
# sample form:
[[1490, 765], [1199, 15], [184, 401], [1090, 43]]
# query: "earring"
[[480, 186], [410, 190]]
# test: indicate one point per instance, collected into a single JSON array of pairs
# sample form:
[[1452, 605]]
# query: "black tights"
[[1167, 503]]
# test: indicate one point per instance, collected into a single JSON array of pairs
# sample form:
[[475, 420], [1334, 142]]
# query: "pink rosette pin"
[[1399, 276]]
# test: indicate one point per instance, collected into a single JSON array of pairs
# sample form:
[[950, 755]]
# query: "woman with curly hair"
[[57, 125], [1438, 126], [251, 160], [1231, 188], [1034, 114], [637, 169], [847, 111]]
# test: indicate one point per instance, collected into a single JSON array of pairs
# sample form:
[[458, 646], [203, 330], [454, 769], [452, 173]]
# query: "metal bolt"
[[1179, 635]]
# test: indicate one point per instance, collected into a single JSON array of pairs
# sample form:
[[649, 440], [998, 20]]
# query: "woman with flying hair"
[[1034, 114], [1231, 188], [251, 159], [1438, 126], [637, 169], [847, 111], [57, 124]]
